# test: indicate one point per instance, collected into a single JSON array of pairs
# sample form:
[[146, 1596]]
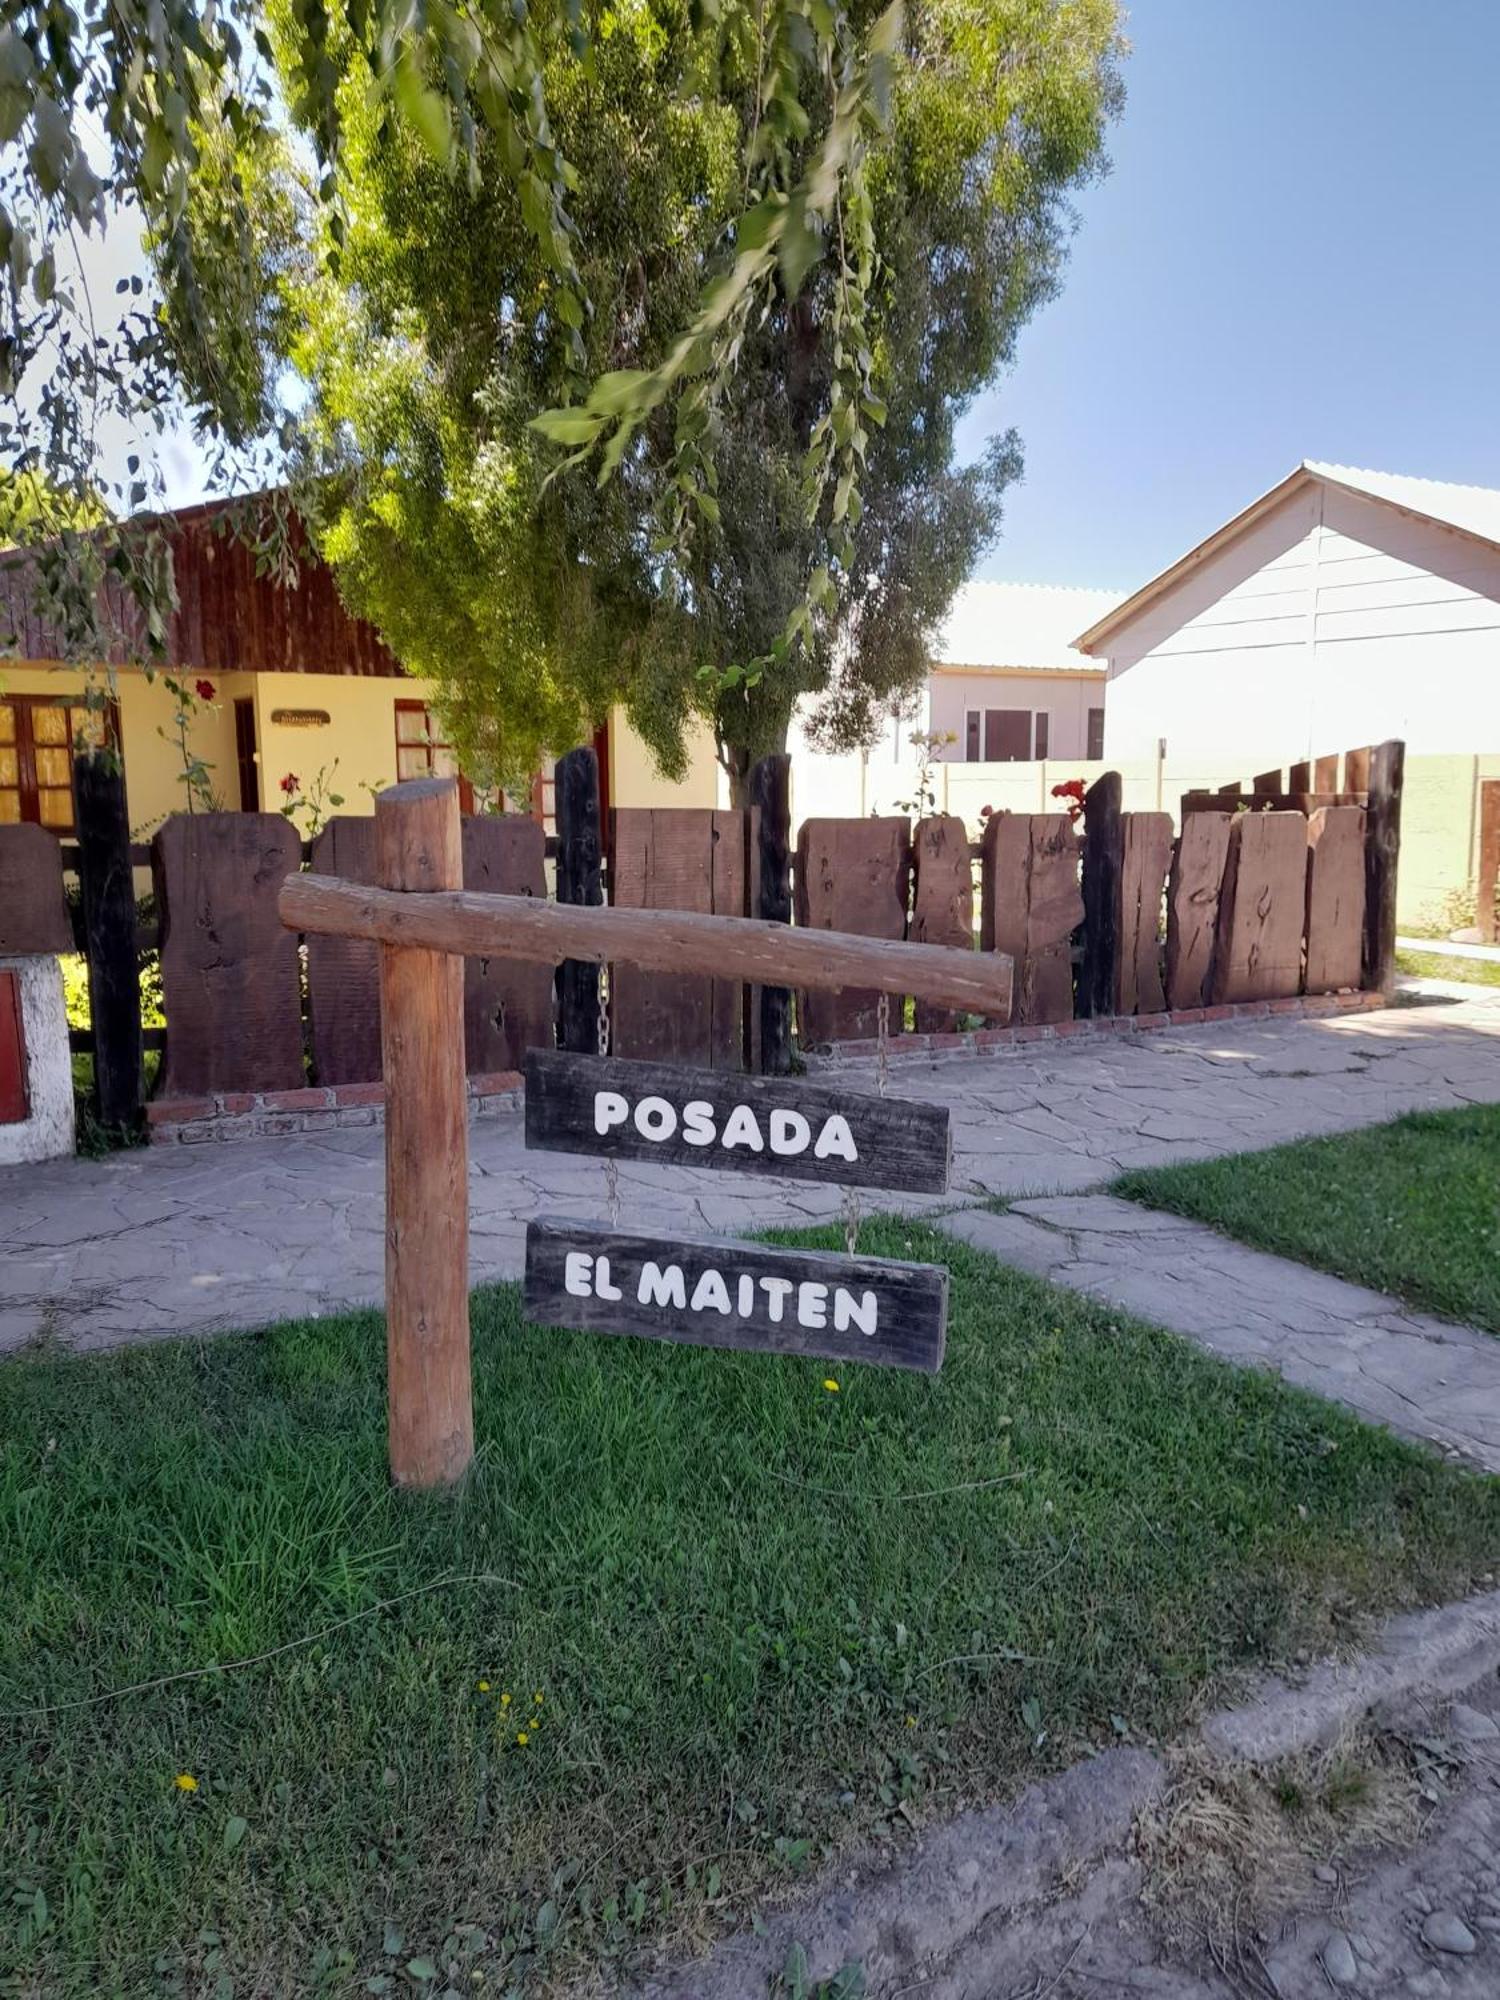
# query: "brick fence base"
[[977, 1041], [192, 1121]]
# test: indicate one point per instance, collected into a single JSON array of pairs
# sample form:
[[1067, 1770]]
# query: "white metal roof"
[[1472, 510], [1019, 625]]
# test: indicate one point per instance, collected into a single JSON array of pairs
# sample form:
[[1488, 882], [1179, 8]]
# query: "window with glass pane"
[[10, 767], [37, 737], [421, 751]]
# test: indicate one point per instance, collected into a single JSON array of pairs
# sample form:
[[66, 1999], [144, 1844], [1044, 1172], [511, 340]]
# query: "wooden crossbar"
[[424, 922], [525, 927]]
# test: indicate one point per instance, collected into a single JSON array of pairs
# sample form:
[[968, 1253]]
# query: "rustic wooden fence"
[[1273, 889]]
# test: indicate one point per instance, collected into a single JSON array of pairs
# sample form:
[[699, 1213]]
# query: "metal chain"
[[611, 1165], [851, 1220], [882, 1077]]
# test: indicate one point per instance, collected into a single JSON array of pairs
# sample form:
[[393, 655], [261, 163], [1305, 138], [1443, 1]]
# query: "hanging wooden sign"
[[751, 1124], [709, 1292]]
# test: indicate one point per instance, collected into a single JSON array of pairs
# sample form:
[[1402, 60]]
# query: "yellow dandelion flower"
[[830, 1385], [537, 1699], [484, 1687], [505, 1701], [185, 1782], [522, 1738], [911, 1722]]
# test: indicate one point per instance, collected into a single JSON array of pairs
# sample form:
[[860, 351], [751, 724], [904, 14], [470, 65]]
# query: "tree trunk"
[[751, 730]]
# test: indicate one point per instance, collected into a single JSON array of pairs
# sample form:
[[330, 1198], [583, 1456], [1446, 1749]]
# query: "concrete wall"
[[635, 780], [1335, 620], [46, 1132]]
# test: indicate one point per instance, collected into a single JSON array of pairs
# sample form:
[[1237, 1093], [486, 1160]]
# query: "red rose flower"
[[1073, 792], [289, 783], [204, 690]]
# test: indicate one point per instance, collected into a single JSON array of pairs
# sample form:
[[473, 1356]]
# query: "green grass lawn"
[[1436, 965], [1412, 1207], [740, 1619]]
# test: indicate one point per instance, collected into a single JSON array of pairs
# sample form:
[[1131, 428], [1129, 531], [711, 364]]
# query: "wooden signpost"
[[704, 1292]]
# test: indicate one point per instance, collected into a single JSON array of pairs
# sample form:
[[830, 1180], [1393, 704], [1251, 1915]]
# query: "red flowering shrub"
[[290, 783], [204, 690], [1073, 792]]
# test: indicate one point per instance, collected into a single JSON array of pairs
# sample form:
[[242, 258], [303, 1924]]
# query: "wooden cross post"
[[424, 922], [418, 848]]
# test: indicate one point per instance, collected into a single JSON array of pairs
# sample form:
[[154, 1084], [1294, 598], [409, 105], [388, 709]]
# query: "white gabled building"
[[1338, 609], [1006, 680]]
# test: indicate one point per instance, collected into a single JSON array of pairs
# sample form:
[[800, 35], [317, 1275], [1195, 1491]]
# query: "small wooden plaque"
[[608, 1107], [712, 1292]]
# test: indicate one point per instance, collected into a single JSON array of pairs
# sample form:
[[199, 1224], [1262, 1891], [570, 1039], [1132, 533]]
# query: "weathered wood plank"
[[853, 876], [1382, 852], [508, 1007], [1054, 909], [343, 974], [1262, 908], [656, 940], [709, 1292], [1357, 770], [1145, 858], [419, 849], [1193, 905], [1300, 778], [579, 881], [1030, 906], [691, 859], [1335, 898], [1103, 841], [771, 803], [752, 1125], [942, 901], [107, 889], [1325, 774], [1267, 781], [230, 976], [33, 909], [1303, 802]]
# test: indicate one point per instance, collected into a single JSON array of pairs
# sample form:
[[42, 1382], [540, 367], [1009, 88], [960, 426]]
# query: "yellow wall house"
[[287, 687]]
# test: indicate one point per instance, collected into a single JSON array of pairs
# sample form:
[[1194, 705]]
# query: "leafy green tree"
[[180, 114], [821, 527]]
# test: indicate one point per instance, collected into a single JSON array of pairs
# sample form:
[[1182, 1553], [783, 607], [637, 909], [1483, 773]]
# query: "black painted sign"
[[709, 1292], [751, 1124]]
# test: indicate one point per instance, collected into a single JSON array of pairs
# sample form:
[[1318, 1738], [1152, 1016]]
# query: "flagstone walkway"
[[1391, 1364], [199, 1239]]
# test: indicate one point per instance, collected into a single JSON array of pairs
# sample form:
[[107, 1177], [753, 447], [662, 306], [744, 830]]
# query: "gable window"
[[37, 734], [1096, 735], [1004, 735], [421, 751]]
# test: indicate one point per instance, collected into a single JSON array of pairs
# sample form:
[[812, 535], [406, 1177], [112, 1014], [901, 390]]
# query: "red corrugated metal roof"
[[229, 618]]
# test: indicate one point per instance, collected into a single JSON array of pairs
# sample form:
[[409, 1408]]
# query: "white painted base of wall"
[[47, 1133]]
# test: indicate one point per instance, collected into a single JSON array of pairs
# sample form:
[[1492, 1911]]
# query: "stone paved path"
[[1394, 1365], [189, 1239]]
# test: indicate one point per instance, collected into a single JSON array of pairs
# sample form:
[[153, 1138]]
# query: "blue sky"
[[1295, 255]]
